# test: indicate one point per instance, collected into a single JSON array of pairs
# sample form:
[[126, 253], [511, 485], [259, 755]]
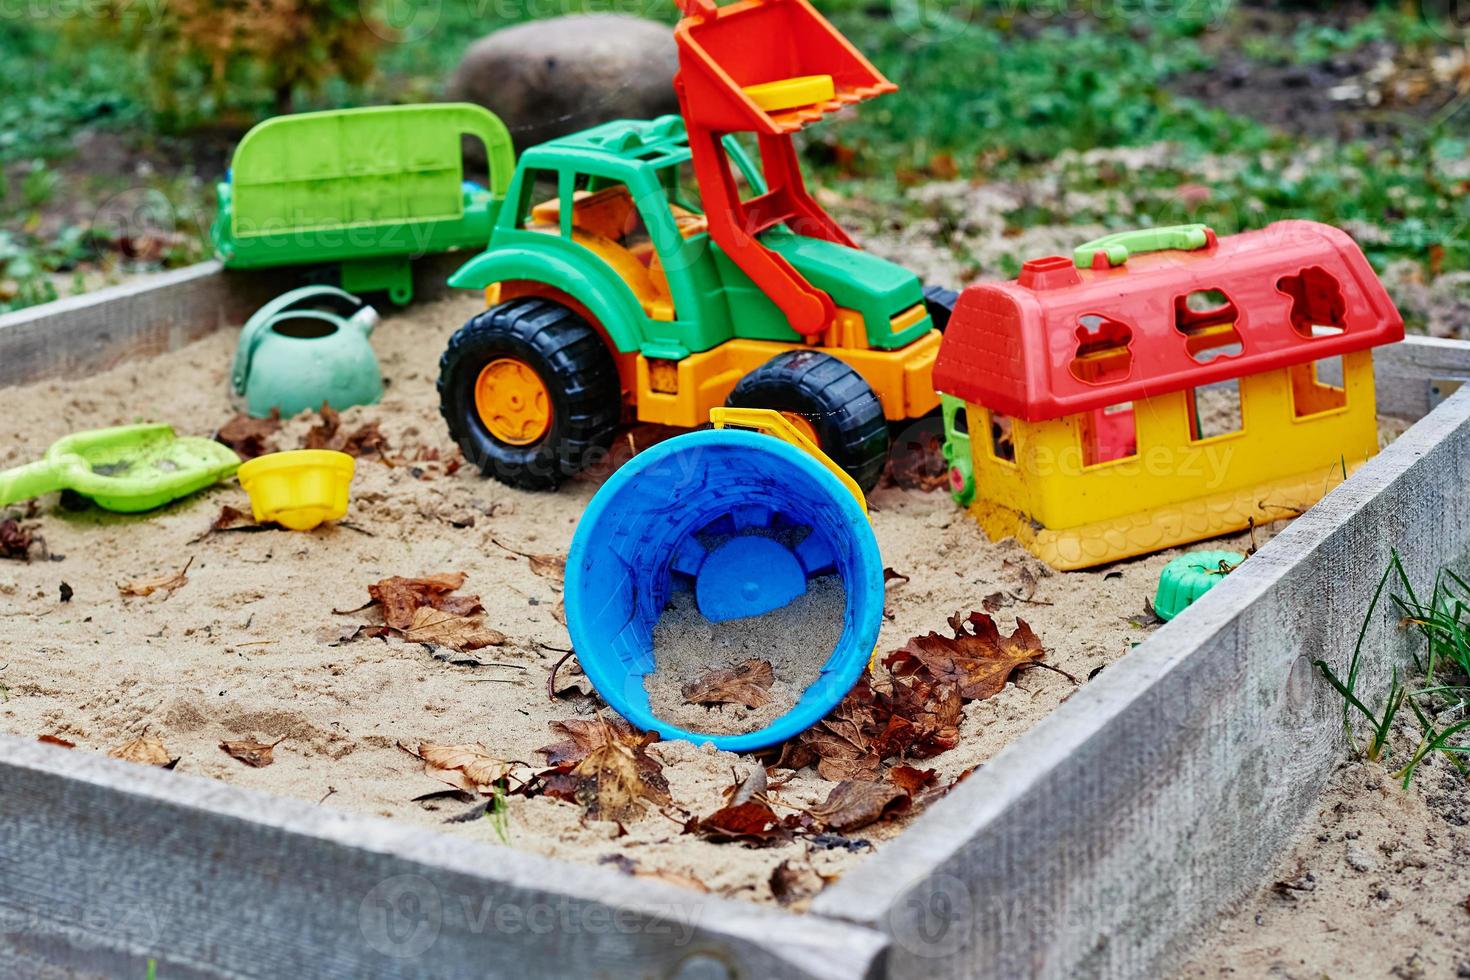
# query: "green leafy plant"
[[203, 59], [1444, 622]]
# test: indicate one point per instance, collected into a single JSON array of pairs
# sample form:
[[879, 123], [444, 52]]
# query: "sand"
[[249, 647], [1378, 885], [796, 640]]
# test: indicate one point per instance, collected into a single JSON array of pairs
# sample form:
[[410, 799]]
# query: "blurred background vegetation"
[[1049, 113]]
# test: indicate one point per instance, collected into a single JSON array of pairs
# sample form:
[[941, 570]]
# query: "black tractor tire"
[[940, 302], [835, 399], [570, 359]]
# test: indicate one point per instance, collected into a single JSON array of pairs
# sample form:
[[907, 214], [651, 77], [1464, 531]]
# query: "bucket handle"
[[349, 306], [774, 423]]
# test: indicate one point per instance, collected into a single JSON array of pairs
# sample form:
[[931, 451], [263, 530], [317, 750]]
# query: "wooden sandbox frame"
[[1099, 843]]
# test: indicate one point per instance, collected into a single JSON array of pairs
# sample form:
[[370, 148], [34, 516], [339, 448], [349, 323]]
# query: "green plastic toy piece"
[[1117, 248], [369, 188], [957, 449], [127, 469], [1190, 576]]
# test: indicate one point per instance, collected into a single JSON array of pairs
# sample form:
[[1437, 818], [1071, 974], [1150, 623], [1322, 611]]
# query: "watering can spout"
[[366, 320]]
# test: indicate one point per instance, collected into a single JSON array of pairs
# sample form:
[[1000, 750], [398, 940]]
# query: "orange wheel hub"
[[513, 402], [803, 426]]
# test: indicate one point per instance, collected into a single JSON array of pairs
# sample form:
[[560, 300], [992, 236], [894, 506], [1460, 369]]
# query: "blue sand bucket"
[[640, 538]]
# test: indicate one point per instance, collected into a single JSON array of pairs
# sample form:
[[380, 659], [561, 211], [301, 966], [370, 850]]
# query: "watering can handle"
[[260, 321], [30, 480]]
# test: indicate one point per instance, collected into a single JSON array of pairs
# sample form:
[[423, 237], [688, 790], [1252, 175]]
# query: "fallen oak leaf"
[[438, 628], [748, 683], [257, 755], [145, 749], [855, 803], [166, 584], [977, 659]]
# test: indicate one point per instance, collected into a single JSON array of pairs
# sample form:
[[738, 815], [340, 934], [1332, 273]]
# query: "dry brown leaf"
[[166, 584], [470, 768], [605, 767], [977, 659], [675, 878], [748, 684], [857, 803], [792, 883], [439, 628], [613, 785], [144, 749], [257, 755], [366, 440], [401, 597], [547, 566], [912, 780], [752, 822], [15, 540], [250, 437]]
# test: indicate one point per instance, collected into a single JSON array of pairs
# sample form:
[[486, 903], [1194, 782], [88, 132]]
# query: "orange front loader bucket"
[[768, 67]]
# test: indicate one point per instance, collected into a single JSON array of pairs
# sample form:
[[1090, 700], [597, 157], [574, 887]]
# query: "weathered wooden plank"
[[1099, 842], [81, 335], [105, 865], [154, 314], [1413, 377]]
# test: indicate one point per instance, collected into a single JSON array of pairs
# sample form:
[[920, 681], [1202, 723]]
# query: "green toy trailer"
[[367, 188]]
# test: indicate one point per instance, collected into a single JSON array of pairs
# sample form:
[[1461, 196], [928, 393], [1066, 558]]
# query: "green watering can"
[[128, 469], [304, 348]]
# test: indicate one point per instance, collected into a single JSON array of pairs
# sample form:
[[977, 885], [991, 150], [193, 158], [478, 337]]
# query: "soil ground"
[[1378, 885], [250, 646]]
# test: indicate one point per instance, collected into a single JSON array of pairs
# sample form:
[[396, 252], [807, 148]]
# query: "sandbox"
[[1088, 815]]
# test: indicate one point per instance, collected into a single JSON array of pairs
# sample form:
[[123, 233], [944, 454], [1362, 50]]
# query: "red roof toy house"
[[1162, 387]]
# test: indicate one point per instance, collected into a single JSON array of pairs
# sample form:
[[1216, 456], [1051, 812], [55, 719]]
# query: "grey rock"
[[551, 77]]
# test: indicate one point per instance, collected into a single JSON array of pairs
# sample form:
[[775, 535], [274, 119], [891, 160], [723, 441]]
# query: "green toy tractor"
[[608, 301]]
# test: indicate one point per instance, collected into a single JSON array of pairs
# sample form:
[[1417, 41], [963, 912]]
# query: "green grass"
[[1438, 709], [991, 90]]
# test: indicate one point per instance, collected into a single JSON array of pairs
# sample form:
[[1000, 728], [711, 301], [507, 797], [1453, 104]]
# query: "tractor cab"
[[624, 195]]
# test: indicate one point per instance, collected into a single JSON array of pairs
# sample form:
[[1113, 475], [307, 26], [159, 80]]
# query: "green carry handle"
[[30, 480], [1117, 248]]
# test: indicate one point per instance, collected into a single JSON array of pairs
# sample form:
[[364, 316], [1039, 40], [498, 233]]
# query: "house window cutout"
[[1102, 350], [1318, 387], [1318, 308], [1207, 319], [1002, 438], [1215, 411], [1109, 434]]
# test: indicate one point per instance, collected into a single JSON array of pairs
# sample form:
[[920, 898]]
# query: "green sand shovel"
[[128, 469]]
